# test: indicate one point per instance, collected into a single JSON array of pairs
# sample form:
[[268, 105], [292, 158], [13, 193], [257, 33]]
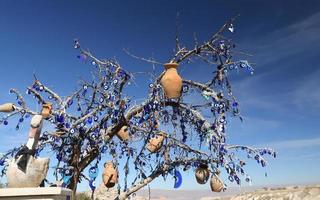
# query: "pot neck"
[[171, 66]]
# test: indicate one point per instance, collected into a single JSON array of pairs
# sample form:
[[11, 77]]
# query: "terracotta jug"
[[110, 175], [202, 174], [46, 110], [7, 107], [215, 183], [36, 171], [123, 134], [155, 143], [171, 81]]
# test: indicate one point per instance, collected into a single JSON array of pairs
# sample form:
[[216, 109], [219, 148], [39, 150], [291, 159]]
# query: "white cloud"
[[295, 144]]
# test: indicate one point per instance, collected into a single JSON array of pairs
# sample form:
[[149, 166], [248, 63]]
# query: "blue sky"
[[280, 103]]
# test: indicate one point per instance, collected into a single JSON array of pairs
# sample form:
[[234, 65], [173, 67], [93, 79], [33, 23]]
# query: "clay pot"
[[155, 143], [36, 172], [7, 107], [202, 174], [123, 134], [46, 110], [215, 184], [171, 81], [110, 175]]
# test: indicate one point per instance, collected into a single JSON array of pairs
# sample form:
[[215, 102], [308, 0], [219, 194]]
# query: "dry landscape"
[[310, 192]]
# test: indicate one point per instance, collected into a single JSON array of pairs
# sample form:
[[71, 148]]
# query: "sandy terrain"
[[311, 192]]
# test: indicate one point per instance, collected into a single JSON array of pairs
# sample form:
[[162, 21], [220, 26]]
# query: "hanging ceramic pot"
[[155, 143], [202, 174], [110, 175], [123, 134], [171, 81], [46, 110], [216, 184], [7, 107]]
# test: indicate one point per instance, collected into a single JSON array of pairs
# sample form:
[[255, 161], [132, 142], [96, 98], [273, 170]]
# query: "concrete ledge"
[[44, 193]]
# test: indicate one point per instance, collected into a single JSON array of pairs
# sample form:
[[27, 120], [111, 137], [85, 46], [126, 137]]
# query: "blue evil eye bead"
[[101, 100], [104, 149], [85, 87], [59, 157], [60, 118], [93, 63], [231, 179], [72, 131], [243, 65], [105, 87], [115, 81], [237, 179], [151, 85], [93, 172], [67, 125], [50, 97], [2, 161], [92, 184], [5, 122], [178, 179], [76, 44], [185, 88], [70, 102], [21, 119], [231, 28], [95, 118], [41, 88], [235, 104], [67, 172], [89, 120]]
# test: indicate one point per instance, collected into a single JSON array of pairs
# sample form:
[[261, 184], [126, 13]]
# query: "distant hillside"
[[247, 193]]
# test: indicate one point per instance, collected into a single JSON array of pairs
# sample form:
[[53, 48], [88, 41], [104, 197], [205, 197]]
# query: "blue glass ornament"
[[93, 172], [76, 44], [72, 131], [92, 185], [89, 120], [5, 122], [70, 102], [185, 88], [60, 118], [66, 180], [178, 179]]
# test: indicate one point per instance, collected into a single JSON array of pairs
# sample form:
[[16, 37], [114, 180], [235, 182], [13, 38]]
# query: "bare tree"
[[100, 119]]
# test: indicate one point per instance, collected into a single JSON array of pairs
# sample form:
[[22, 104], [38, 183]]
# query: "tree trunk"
[[76, 171]]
